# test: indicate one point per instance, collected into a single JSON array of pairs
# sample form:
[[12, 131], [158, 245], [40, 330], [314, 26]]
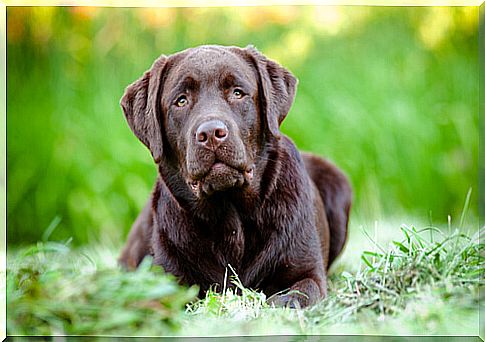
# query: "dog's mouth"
[[221, 177]]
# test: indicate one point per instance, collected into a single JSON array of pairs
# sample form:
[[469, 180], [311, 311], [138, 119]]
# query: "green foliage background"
[[389, 94]]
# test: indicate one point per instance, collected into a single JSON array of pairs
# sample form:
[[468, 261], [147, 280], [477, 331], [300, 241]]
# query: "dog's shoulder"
[[292, 167], [291, 193]]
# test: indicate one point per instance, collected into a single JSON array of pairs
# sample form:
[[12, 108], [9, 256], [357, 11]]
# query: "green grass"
[[425, 282], [53, 290]]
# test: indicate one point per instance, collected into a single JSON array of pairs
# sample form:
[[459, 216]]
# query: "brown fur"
[[231, 188]]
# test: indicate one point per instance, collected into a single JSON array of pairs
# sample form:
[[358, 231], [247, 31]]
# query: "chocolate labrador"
[[231, 188]]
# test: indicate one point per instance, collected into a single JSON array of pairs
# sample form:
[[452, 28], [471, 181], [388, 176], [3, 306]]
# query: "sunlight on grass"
[[236, 301]]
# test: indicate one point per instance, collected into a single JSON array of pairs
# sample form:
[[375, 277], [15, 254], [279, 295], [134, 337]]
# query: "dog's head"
[[210, 111]]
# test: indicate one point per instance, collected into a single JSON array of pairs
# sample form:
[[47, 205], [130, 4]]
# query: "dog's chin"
[[220, 177]]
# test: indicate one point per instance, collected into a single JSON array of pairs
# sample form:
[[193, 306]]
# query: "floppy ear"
[[278, 87], [141, 106]]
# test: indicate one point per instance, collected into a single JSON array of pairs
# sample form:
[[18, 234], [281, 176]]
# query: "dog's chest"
[[203, 246], [226, 241], [233, 242], [228, 249]]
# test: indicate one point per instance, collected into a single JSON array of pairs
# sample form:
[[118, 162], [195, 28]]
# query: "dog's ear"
[[278, 87], [141, 106]]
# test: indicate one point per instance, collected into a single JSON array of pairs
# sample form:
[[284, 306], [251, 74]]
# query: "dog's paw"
[[292, 300]]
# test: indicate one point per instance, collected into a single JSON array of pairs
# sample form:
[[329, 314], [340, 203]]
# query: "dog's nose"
[[211, 134]]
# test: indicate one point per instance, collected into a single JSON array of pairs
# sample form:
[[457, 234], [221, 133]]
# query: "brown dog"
[[231, 189]]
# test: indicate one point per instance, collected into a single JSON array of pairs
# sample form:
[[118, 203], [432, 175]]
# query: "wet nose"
[[211, 134]]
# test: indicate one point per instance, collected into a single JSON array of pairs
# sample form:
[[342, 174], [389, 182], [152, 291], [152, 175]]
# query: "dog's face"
[[211, 119], [214, 108]]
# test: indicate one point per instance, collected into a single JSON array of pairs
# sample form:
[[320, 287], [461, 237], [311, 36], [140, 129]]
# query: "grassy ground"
[[420, 281]]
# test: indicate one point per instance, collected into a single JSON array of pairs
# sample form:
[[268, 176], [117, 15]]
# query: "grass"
[[426, 282], [53, 290]]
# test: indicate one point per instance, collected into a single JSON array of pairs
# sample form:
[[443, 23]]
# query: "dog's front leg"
[[138, 246]]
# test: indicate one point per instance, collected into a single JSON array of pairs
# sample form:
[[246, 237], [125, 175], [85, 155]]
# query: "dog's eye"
[[181, 101], [238, 93]]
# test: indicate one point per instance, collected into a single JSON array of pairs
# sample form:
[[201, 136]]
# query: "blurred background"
[[390, 94]]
